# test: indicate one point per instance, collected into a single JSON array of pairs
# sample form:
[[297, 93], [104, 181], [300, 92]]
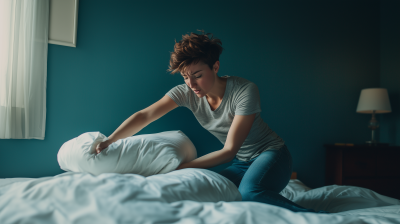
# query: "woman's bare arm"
[[139, 120], [238, 132], [142, 118]]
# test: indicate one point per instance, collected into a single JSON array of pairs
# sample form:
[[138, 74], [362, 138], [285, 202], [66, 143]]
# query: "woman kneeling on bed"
[[229, 108]]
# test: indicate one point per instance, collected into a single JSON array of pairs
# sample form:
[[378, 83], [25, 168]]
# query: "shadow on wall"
[[394, 116], [392, 120]]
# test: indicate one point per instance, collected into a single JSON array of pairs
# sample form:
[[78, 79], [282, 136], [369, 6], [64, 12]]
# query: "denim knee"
[[248, 195]]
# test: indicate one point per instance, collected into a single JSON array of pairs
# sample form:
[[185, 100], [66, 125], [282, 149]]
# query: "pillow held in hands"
[[146, 154]]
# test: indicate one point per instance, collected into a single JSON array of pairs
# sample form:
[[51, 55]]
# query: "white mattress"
[[183, 196]]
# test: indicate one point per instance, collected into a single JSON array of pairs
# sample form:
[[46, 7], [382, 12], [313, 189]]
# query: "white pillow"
[[294, 188], [140, 154]]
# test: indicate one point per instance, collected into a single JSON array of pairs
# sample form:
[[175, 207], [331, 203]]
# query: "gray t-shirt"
[[241, 97]]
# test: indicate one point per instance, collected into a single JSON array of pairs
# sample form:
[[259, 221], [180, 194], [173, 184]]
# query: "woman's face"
[[200, 78]]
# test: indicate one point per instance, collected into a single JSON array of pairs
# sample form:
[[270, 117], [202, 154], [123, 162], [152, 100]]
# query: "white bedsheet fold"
[[183, 196], [336, 198]]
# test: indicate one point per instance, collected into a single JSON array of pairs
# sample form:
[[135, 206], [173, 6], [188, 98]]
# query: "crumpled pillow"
[[146, 154]]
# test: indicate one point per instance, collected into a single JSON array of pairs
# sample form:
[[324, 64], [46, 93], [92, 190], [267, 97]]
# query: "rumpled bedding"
[[182, 196]]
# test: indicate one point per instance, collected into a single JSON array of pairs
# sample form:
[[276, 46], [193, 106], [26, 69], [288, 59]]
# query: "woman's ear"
[[216, 67]]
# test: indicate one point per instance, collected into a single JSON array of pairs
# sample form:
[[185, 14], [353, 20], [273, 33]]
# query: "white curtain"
[[24, 26]]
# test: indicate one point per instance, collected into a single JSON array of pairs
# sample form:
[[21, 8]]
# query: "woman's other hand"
[[102, 146]]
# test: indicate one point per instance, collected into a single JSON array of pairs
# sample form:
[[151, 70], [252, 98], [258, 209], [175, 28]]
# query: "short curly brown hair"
[[192, 49]]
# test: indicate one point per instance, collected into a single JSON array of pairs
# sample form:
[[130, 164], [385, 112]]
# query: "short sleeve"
[[179, 94], [248, 100]]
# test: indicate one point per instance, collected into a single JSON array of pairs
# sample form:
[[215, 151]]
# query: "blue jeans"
[[262, 178]]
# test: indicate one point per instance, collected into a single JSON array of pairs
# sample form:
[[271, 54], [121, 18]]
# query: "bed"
[[181, 196]]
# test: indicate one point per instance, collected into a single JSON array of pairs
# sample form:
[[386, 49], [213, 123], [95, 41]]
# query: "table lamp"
[[373, 101]]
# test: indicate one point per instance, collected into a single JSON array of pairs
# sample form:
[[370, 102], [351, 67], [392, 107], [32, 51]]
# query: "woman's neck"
[[218, 90]]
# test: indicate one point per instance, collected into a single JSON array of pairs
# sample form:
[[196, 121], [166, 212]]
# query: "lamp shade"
[[374, 99]]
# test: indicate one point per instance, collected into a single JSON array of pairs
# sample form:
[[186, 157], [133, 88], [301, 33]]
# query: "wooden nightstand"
[[373, 167]]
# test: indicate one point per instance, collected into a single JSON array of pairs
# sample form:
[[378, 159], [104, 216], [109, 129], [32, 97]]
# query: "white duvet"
[[182, 196]]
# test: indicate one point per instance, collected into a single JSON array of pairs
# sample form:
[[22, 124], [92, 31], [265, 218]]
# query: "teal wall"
[[310, 59], [390, 70]]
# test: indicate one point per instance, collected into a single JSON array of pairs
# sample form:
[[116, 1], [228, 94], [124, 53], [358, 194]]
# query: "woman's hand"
[[102, 146]]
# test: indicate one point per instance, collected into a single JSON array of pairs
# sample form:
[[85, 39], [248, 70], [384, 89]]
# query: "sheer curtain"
[[24, 28]]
